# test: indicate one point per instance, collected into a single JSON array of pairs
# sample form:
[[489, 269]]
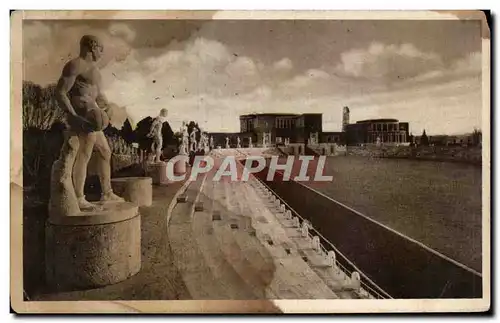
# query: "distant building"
[[377, 130], [297, 128], [307, 128], [337, 137], [469, 139]]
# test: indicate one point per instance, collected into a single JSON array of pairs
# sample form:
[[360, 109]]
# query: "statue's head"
[[163, 114], [90, 44]]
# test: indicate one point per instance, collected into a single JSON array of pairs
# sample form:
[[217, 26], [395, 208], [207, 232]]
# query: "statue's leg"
[[159, 146], [86, 145], [63, 200], [104, 167]]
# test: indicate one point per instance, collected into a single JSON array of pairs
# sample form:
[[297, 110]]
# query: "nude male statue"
[[78, 92], [192, 138], [156, 134]]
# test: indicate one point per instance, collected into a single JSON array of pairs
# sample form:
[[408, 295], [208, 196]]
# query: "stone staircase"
[[236, 240]]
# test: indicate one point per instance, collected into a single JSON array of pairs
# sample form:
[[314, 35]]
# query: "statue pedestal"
[[137, 190], [158, 172], [94, 248]]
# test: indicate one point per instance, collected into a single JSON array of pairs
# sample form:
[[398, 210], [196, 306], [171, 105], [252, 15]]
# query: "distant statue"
[[211, 143], [227, 142], [265, 140], [79, 94], [192, 139], [250, 142], [313, 138], [378, 142], [156, 134], [183, 147], [203, 142], [238, 142]]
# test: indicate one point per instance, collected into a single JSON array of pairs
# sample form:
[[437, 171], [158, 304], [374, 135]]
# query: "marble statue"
[[156, 134], [250, 142], [211, 143], [238, 142], [378, 141], [313, 138], [183, 148], [79, 94], [203, 142], [192, 139], [265, 140], [227, 142]]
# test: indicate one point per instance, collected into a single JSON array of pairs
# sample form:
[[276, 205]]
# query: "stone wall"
[[472, 155], [325, 149], [328, 149]]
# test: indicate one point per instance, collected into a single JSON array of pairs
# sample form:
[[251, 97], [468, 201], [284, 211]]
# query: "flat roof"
[[378, 120], [270, 115]]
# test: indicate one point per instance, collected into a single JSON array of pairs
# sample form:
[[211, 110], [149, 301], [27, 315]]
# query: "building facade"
[[278, 128], [377, 131]]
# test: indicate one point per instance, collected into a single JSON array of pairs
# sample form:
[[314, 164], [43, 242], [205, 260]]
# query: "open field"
[[436, 203]]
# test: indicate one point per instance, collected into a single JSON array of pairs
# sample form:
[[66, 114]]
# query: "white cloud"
[[308, 79], [284, 64], [195, 77], [200, 79], [471, 63], [317, 74], [260, 93], [36, 33], [240, 68], [122, 30], [380, 61]]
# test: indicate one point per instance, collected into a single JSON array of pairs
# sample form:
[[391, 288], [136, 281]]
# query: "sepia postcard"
[[250, 161]]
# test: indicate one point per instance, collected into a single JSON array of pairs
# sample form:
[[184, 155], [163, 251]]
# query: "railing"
[[366, 283]]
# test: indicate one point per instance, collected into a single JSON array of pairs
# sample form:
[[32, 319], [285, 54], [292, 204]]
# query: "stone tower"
[[345, 118]]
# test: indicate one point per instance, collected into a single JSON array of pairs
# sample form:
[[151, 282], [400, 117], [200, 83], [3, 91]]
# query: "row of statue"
[[188, 141]]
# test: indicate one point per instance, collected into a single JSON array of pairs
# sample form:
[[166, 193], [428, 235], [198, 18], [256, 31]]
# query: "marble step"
[[222, 271], [238, 260]]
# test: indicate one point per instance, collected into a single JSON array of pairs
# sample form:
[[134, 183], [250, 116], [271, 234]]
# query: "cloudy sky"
[[425, 72]]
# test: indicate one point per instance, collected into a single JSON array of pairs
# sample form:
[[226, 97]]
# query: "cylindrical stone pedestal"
[[93, 249], [180, 165], [137, 190], [158, 172]]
